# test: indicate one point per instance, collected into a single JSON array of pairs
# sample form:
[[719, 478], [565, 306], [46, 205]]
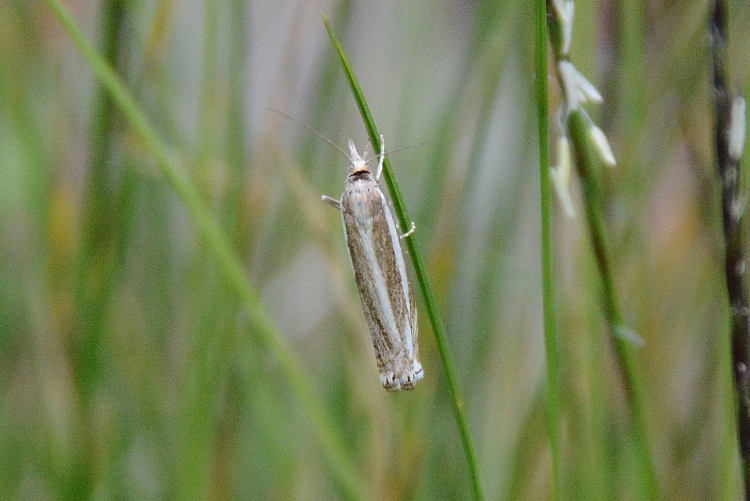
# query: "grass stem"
[[231, 267], [436, 321], [552, 393], [728, 169]]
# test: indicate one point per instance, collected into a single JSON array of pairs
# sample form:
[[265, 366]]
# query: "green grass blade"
[[585, 162], [552, 394], [231, 267], [419, 270]]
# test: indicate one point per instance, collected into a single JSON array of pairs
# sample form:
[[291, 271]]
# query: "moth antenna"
[[348, 156], [321, 136], [424, 143]]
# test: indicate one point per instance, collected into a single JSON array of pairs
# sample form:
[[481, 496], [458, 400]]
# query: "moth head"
[[358, 163]]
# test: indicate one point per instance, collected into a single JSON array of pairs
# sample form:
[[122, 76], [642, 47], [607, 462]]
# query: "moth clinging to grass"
[[379, 265]]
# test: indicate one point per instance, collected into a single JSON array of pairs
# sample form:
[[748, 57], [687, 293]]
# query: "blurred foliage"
[[126, 368]]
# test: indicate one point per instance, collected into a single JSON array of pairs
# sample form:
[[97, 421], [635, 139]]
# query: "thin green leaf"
[[577, 127], [552, 393], [585, 162], [231, 267], [419, 270]]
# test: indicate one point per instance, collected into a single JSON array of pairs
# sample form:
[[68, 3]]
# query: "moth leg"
[[335, 203], [411, 230], [382, 155]]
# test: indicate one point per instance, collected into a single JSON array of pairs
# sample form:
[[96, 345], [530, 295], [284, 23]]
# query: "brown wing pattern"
[[380, 272]]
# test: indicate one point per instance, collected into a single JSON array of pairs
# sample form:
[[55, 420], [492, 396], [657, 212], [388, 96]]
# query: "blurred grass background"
[[128, 369]]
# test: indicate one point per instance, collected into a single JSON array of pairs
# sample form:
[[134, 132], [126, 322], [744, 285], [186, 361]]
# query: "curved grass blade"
[[231, 267], [419, 270]]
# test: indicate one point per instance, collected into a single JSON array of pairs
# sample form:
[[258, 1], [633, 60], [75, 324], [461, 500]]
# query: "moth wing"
[[373, 259]]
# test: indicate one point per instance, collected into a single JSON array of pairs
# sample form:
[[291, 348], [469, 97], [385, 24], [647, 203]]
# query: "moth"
[[379, 265]]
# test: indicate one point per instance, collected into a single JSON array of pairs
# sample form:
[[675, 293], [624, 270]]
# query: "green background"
[[130, 368]]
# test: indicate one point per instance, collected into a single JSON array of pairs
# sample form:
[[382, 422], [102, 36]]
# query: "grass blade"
[[578, 128], [585, 162], [552, 393], [419, 270], [230, 266]]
